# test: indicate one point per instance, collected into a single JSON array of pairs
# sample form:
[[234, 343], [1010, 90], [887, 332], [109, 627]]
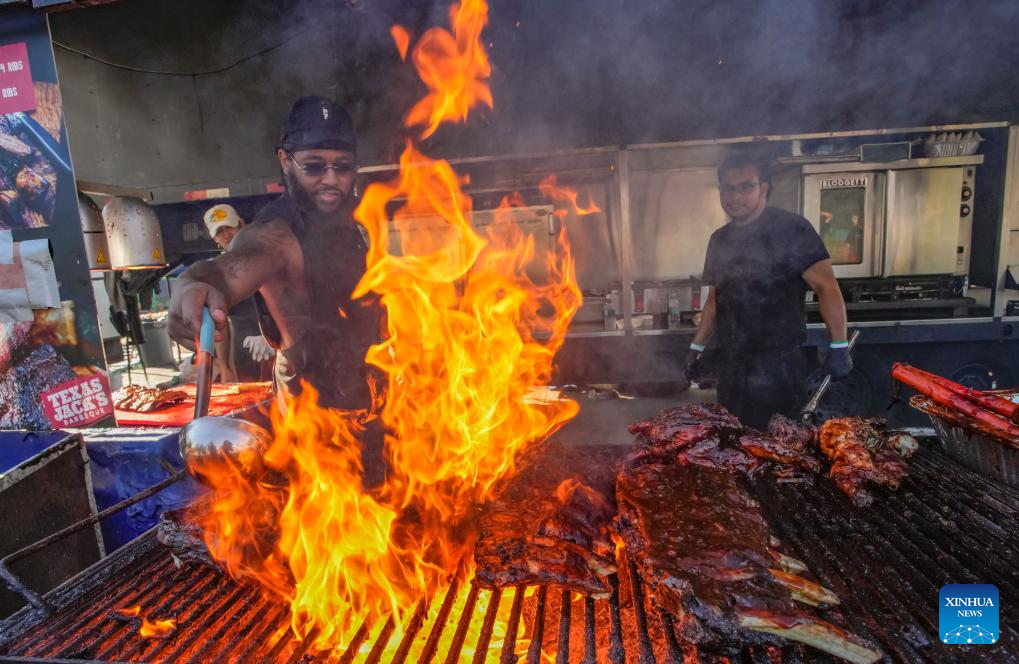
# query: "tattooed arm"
[[257, 256]]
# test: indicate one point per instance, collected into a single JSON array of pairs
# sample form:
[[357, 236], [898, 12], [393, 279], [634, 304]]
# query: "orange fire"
[[470, 334], [128, 613], [157, 629], [454, 67], [550, 188]]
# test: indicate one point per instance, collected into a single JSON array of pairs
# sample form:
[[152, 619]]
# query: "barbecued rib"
[[701, 545], [791, 434], [685, 424], [549, 530], [143, 399], [708, 435], [773, 449]]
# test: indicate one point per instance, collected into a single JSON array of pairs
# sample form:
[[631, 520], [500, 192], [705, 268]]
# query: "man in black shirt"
[[303, 253], [759, 266]]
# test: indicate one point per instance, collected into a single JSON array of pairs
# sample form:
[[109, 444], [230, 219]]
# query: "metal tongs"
[[807, 414]]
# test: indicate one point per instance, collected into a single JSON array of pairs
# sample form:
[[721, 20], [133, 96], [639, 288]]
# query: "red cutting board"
[[226, 398]]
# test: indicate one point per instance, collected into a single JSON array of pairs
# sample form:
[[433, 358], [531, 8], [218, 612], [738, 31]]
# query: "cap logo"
[[325, 112], [219, 215]]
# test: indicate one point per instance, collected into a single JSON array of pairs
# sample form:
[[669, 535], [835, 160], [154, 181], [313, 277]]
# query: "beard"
[[305, 198]]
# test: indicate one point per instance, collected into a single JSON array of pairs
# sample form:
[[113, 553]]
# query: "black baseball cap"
[[318, 123]]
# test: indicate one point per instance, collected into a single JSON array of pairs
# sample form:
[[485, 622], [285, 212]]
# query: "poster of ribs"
[[52, 366], [32, 152]]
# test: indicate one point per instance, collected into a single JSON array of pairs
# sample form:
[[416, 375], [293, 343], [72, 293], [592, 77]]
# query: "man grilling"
[[759, 266], [303, 254]]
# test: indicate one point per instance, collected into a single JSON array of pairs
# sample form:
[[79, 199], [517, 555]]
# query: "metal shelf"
[[924, 162]]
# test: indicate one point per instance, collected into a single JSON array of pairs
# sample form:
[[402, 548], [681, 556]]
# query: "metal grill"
[[944, 525]]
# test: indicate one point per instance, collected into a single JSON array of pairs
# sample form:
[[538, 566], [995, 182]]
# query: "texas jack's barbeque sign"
[[78, 402]]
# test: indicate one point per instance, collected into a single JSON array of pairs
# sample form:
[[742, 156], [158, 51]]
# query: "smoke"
[[566, 74], [609, 72]]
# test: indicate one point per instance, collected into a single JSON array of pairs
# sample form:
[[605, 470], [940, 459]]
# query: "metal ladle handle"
[[206, 353]]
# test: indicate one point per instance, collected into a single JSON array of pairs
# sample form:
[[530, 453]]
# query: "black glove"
[[838, 363], [692, 364]]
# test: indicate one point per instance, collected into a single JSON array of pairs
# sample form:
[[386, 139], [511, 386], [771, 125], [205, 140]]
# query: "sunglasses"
[[317, 169], [741, 188]]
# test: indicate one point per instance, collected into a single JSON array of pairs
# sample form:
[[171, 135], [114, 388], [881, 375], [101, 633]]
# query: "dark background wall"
[[566, 74]]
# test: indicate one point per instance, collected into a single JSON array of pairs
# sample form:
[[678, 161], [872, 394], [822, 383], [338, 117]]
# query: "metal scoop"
[[217, 444]]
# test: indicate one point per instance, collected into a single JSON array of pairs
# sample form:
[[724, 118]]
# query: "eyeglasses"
[[317, 169], [741, 188]]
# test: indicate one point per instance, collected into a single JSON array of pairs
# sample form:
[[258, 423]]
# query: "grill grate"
[[944, 525]]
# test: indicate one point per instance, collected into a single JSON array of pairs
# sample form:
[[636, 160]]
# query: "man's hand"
[[259, 348], [838, 363], [692, 362], [186, 311]]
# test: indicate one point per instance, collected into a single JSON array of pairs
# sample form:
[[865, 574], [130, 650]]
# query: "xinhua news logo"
[[968, 613]]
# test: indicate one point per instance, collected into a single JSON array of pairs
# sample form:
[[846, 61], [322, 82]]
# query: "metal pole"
[[625, 238]]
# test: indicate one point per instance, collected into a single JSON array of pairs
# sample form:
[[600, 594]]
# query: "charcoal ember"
[[700, 543], [21, 388], [552, 524]]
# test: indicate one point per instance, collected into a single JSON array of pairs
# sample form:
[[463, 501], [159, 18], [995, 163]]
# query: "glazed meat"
[[848, 442], [701, 545], [791, 434], [778, 450], [144, 399], [708, 435], [551, 527], [695, 421]]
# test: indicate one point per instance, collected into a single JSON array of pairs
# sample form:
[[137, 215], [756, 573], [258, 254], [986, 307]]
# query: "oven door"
[[846, 211]]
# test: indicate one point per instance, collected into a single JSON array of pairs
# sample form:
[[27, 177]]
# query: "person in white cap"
[[254, 362]]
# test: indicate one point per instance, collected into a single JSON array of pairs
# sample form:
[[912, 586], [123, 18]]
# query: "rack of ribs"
[[552, 527], [143, 399], [708, 435], [701, 545]]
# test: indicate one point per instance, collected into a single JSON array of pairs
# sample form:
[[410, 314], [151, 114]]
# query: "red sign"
[[16, 90], [78, 402]]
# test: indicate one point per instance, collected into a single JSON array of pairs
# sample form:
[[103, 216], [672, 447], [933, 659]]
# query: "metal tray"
[[990, 457]]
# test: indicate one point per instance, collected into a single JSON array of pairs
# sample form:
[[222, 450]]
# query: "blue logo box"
[[968, 613]]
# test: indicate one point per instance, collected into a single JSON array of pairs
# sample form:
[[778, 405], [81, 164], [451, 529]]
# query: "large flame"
[[469, 336]]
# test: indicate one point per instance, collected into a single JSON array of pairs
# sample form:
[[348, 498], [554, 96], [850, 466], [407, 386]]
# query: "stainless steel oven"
[[924, 206], [847, 210], [910, 218]]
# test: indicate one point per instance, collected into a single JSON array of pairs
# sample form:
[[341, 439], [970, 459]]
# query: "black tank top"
[[330, 353]]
